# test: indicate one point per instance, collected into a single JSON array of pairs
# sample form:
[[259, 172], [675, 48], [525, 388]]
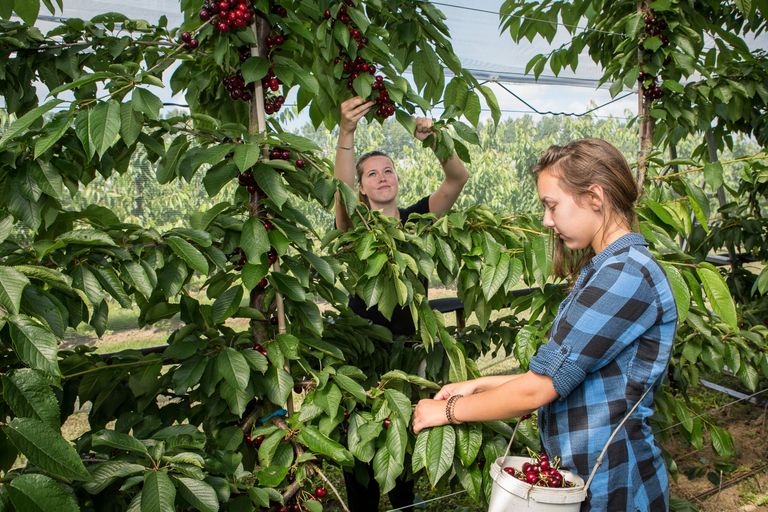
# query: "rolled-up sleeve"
[[615, 307]]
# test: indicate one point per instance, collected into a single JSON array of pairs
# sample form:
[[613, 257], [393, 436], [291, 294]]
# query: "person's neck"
[[608, 236], [388, 209]]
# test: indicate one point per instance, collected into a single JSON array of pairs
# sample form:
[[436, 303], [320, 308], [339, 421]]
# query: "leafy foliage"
[[210, 422]]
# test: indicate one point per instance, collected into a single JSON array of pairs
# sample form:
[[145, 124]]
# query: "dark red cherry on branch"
[[268, 225], [300, 163], [263, 283], [386, 423], [272, 256], [320, 492]]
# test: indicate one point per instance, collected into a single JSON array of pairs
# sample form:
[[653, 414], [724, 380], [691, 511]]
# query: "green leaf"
[[722, 441], [289, 286], [46, 448], [718, 295], [232, 366], [469, 439], [472, 109], [493, 104], [39, 493], [103, 126], [226, 304], [107, 472], [34, 344], [324, 445], [352, 387], [118, 441], [12, 284], [189, 254], [246, 155], [271, 183], [197, 493], [386, 469], [131, 123], [83, 80], [27, 11], [254, 68], [168, 167], [112, 285], [146, 103], [254, 239], [713, 174], [237, 399], [53, 132], [29, 118], [399, 404], [525, 345], [492, 277], [28, 394], [6, 226], [680, 291], [439, 457], [279, 385], [158, 493]]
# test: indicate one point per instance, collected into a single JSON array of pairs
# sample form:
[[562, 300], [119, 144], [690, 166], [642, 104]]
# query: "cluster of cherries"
[[380, 95], [651, 88], [190, 43], [540, 472], [654, 27], [235, 86], [271, 84], [228, 14]]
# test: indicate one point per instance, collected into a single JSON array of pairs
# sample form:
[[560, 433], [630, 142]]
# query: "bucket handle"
[[607, 444]]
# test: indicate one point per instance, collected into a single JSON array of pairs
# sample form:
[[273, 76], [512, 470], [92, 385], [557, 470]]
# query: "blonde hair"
[[578, 165]]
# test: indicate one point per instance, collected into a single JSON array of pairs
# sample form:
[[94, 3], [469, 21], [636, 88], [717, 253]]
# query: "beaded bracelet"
[[449, 409], [343, 147]]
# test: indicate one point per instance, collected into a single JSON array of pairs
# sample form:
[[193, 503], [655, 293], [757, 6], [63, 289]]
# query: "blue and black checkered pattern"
[[610, 341]]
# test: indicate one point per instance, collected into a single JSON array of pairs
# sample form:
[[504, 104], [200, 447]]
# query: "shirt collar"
[[616, 246]]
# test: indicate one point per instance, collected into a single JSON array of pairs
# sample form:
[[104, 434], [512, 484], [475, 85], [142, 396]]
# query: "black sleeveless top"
[[401, 323]]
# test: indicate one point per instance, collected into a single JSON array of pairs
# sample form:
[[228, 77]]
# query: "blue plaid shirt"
[[610, 341]]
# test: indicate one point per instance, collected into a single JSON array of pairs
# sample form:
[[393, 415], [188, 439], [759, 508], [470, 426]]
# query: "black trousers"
[[362, 498]]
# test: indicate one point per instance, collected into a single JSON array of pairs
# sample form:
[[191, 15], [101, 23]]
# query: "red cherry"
[[320, 492], [510, 470], [272, 256], [258, 440], [531, 477], [263, 283], [327, 14], [544, 465], [300, 163], [386, 423], [268, 225]]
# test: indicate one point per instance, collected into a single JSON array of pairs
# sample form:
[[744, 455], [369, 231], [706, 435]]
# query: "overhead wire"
[[530, 18]]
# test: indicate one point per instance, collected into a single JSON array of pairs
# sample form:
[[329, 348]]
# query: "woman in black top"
[[377, 181]]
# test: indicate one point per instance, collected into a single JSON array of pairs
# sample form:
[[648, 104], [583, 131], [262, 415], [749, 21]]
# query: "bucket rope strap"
[[607, 444]]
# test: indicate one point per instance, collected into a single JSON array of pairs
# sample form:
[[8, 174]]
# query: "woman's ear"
[[596, 197]]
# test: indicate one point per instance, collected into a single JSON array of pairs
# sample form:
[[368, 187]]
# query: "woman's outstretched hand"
[[423, 128], [352, 110], [431, 412]]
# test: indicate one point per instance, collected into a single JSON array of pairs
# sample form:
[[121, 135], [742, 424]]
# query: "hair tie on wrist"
[[343, 147], [449, 410]]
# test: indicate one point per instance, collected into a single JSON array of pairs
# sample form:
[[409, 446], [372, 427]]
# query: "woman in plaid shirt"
[[610, 342]]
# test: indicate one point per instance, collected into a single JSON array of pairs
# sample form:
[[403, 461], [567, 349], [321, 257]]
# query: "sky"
[[476, 39]]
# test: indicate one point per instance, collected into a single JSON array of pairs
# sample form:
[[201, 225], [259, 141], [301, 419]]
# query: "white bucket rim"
[[552, 495]]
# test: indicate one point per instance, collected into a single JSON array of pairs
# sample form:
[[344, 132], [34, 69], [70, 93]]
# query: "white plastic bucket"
[[509, 493]]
